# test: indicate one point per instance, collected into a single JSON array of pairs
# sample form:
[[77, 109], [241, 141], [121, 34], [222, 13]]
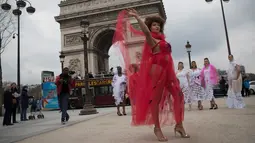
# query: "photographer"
[[64, 83]]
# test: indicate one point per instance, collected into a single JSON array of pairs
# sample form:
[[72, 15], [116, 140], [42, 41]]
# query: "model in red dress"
[[158, 98]]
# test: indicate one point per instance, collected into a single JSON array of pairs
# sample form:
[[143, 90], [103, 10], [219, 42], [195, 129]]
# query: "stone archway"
[[101, 44], [102, 15]]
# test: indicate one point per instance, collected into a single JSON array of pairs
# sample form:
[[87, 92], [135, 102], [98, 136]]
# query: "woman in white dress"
[[183, 77], [119, 84], [209, 78], [235, 99], [197, 91]]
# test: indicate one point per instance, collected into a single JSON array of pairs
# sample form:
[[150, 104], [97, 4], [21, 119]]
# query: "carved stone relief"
[[72, 39], [75, 65], [92, 5], [107, 16]]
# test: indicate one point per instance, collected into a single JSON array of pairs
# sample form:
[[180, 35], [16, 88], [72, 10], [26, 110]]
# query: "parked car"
[[217, 92], [252, 87]]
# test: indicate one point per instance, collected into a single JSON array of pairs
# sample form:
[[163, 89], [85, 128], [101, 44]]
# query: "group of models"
[[197, 85], [157, 93]]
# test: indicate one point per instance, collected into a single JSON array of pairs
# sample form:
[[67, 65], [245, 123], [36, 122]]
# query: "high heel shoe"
[[159, 135], [200, 107], [181, 131], [212, 106], [215, 106]]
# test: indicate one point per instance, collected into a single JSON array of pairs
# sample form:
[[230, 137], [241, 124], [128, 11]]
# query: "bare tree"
[[7, 28]]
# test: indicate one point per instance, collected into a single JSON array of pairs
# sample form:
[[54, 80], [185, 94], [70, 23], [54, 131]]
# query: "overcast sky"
[[197, 21]]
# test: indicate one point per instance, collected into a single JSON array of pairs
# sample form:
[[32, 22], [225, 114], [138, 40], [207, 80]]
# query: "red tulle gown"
[[155, 79]]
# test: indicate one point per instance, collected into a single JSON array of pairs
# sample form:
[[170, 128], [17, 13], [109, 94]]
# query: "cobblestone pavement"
[[208, 126]]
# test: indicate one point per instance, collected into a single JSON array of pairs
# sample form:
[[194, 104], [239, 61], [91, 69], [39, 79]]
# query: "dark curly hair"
[[155, 18]]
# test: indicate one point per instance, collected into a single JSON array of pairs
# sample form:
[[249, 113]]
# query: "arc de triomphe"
[[102, 15]]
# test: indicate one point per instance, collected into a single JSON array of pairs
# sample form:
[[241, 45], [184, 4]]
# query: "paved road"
[[51, 122], [215, 126]]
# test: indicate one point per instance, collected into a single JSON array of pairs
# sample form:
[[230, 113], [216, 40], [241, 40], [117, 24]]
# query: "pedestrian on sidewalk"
[[65, 84], [15, 96], [157, 83], [247, 87], [24, 103], [119, 84], [8, 103]]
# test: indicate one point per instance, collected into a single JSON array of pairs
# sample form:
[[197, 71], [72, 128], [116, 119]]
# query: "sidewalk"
[[215, 126], [51, 122]]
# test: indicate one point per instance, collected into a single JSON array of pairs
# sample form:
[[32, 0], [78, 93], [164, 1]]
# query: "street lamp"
[[88, 108], [188, 48], [62, 59], [17, 12], [225, 23]]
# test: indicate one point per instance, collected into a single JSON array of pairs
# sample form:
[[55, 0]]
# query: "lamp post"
[[225, 23], [62, 59], [188, 48], [17, 12], [88, 108]]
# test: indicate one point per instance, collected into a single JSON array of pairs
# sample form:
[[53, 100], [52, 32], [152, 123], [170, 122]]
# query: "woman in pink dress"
[[209, 78], [158, 92]]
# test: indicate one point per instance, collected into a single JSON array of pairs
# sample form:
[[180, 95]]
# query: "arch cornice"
[[97, 32]]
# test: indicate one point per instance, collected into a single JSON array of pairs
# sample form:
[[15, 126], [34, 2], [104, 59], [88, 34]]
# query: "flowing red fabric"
[[155, 80]]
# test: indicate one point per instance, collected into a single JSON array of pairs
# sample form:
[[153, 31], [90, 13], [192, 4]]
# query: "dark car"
[[217, 92]]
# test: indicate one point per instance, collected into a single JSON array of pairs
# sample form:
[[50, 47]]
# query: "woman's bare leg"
[[178, 105], [118, 110], [189, 107], [200, 106], [155, 112], [123, 106], [158, 87]]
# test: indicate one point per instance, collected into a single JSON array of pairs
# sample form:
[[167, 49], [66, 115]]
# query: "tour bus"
[[100, 88]]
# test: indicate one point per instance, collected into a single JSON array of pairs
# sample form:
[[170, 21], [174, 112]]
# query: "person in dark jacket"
[[223, 85], [15, 95], [65, 84], [24, 103], [8, 107]]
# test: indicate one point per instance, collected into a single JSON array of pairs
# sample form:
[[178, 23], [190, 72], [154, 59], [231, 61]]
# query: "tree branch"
[[7, 27]]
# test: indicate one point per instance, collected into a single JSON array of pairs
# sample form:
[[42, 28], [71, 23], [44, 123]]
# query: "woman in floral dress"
[[183, 77], [197, 91]]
